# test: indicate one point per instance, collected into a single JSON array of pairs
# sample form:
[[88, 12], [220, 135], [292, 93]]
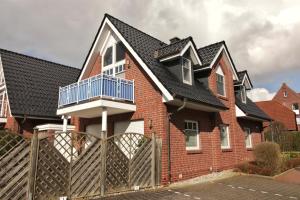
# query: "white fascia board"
[[1, 66], [246, 79], [169, 57], [190, 44], [96, 104], [93, 49], [164, 91], [215, 59]]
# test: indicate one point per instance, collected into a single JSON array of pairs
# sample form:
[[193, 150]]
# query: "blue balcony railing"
[[97, 86]]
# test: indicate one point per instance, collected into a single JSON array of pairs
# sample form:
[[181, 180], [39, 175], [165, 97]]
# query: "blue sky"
[[262, 36]]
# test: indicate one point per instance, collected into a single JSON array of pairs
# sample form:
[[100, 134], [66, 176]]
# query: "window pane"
[[191, 138], [120, 52], [108, 57], [224, 136], [248, 137], [220, 85], [186, 70]]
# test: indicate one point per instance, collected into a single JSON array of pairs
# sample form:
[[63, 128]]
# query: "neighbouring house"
[[289, 98], [279, 113], [194, 99], [28, 93]]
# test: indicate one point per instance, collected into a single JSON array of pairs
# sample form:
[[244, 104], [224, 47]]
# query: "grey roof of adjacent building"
[[173, 48], [145, 46], [251, 109], [209, 52], [33, 84]]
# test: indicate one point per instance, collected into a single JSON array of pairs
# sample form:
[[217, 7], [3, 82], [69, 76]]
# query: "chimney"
[[174, 39]]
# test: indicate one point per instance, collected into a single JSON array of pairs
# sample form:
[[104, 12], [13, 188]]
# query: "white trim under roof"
[[165, 92], [187, 46], [215, 59], [241, 114], [8, 104]]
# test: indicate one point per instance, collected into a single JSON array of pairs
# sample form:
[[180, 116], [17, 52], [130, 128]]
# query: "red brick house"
[[289, 98], [279, 113], [28, 93], [193, 99]]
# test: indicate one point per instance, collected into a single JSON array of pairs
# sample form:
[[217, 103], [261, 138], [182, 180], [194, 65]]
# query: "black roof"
[[251, 109], [241, 75], [209, 52], [32, 84], [145, 46], [172, 48]]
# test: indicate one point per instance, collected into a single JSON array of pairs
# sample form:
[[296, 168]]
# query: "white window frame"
[[228, 136], [247, 132], [285, 94], [106, 69], [219, 72], [189, 68], [244, 94], [293, 106], [198, 135]]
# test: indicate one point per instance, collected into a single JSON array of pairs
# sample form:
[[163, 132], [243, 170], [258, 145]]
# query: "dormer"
[[180, 57], [242, 86]]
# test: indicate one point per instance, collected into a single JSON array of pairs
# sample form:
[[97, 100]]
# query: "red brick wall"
[[148, 100], [279, 113], [292, 96], [184, 164], [25, 127]]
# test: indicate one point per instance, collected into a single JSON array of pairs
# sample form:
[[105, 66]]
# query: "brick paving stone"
[[234, 188]]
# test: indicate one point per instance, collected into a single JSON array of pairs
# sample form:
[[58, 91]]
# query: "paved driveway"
[[235, 188]]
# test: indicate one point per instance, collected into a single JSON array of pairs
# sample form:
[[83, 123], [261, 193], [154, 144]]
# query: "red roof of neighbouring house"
[[279, 112]]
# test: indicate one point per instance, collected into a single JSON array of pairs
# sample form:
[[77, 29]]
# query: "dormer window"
[[186, 71], [243, 94], [220, 80]]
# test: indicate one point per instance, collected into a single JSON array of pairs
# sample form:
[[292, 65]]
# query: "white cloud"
[[260, 94]]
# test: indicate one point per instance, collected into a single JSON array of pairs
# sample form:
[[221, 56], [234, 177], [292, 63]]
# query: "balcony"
[[86, 98], [102, 86]]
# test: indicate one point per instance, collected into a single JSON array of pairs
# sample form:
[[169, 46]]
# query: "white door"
[[129, 127]]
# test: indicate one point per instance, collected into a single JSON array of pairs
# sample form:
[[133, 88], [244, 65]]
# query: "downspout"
[[169, 116]]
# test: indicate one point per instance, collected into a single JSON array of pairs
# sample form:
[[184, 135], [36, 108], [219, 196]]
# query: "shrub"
[[268, 156], [253, 168]]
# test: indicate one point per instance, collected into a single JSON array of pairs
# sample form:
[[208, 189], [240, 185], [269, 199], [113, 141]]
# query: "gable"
[[220, 51], [105, 30]]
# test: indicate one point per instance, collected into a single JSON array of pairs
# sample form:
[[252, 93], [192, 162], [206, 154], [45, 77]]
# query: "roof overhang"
[[106, 22], [221, 50], [243, 115], [196, 105], [191, 45]]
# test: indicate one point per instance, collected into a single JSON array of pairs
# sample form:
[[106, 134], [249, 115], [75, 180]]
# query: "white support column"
[[104, 122], [65, 123]]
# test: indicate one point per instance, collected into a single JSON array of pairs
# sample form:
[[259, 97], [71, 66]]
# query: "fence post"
[[103, 162], [71, 164], [153, 160], [33, 164]]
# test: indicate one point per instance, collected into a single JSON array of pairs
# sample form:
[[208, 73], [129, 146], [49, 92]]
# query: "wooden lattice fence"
[[14, 166], [76, 165]]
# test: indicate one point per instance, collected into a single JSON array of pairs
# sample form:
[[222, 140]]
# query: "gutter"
[[169, 117]]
